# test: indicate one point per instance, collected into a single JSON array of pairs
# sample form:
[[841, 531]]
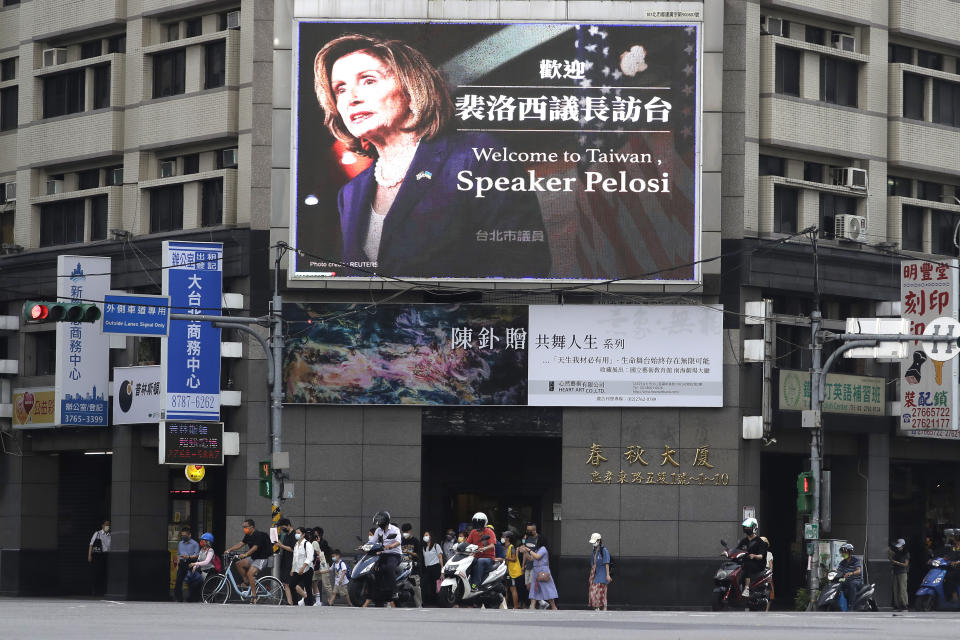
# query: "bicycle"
[[218, 587]]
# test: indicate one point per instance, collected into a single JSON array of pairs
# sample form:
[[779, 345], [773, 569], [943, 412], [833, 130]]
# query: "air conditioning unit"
[[54, 187], [228, 158], [115, 179], [851, 177], [9, 192], [168, 168], [853, 228], [771, 26], [53, 57], [844, 42], [233, 20]]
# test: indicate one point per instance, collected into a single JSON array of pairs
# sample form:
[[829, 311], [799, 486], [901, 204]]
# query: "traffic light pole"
[[816, 346]]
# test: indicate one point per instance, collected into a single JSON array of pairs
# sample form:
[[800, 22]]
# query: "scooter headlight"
[[938, 580], [721, 575], [831, 575]]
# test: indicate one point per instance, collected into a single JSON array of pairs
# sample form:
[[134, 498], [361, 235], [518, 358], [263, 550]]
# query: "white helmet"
[[479, 520], [750, 525]]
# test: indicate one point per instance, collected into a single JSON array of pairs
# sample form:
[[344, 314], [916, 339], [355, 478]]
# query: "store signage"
[[859, 395], [83, 349], [653, 467], [136, 395], [135, 315], [194, 472], [191, 442], [34, 407], [193, 279]]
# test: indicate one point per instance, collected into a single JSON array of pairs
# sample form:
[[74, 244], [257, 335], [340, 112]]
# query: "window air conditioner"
[[844, 42], [54, 187], [53, 57], [233, 20], [851, 177], [116, 178], [771, 26], [10, 192], [168, 168], [852, 228], [229, 158]]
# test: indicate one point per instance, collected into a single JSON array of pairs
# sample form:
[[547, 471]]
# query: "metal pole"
[[815, 377], [276, 393]]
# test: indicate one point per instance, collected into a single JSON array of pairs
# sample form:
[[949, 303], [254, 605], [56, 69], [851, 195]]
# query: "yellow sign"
[[634, 455], [34, 407], [195, 472]]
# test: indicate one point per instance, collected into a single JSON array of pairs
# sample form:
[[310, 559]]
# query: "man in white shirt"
[[97, 552], [389, 536]]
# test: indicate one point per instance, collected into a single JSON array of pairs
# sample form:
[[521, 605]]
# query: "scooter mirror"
[[485, 539], [723, 542]]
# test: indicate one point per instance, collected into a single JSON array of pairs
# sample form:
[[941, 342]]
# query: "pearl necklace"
[[389, 179]]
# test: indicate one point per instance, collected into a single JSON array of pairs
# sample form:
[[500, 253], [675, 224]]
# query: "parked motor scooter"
[[363, 578], [832, 597], [456, 587], [931, 594], [728, 584]]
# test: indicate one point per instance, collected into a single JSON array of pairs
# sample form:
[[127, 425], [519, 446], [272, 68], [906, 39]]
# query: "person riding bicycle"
[[203, 566], [756, 550], [255, 558], [387, 535], [850, 570], [485, 552]]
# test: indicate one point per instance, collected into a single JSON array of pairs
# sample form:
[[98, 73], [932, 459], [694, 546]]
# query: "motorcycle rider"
[[389, 558], [851, 571], [485, 553], [952, 579], [756, 550]]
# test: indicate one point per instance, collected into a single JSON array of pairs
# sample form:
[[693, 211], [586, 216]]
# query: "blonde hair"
[[430, 103]]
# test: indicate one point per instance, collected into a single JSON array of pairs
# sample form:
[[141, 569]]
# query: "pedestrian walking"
[[514, 567], [286, 543], [326, 577], [321, 569], [97, 554], [341, 578], [599, 574], [187, 552], [301, 572], [542, 586], [900, 565], [529, 542], [432, 567]]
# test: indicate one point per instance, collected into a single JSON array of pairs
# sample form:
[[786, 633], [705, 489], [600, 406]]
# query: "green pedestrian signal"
[[805, 493], [266, 489], [42, 312]]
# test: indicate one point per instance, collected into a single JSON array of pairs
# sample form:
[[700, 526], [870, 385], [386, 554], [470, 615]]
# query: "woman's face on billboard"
[[369, 97]]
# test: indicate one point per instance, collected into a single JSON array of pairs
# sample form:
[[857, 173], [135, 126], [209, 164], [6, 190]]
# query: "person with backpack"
[[301, 572], [599, 574], [321, 569], [207, 561], [341, 578]]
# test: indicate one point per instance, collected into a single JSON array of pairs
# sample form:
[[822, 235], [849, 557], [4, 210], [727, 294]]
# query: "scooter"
[[456, 588], [931, 594], [832, 597], [728, 584], [364, 576]]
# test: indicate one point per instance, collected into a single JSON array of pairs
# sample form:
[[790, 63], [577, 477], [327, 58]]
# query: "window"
[[10, 3], [194, 27], [900, 53], [6, 227], [114, 175], [166, 208], [173, 32], [89, 179], [215, 62], [946, 103], [211, 202], [830, 207], [898, 187], [941, 233], [771, 166], [838, 81], [44, 352], [168, 73], [912, 229], [815, 35], [61, 223], [98, 218], [929, 59], [787, 71], [912, 96], [929, 190], [813, 172], [91, 49], [101, 86], [63, 93], [117, 44], [9, 98], [784, 209], [191, 163], [8, 69]]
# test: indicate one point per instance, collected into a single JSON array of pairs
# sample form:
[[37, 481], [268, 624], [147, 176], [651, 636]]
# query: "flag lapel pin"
[[424, 175]]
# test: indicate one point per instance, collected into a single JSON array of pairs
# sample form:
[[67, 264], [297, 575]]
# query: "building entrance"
[[777, 515], [83, 503]]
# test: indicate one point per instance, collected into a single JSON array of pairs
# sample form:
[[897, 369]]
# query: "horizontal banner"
[[859, 395]]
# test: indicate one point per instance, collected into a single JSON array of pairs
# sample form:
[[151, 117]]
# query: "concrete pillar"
[[878, 520]]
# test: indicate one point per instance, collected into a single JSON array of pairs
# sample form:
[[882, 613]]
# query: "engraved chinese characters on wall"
[[643, 466]]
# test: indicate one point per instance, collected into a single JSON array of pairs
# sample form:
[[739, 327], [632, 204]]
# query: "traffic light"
[[266, 486], [805, 492], [41, 312]]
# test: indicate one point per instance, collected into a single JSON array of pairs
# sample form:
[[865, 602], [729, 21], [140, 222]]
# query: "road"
[[39, 619]]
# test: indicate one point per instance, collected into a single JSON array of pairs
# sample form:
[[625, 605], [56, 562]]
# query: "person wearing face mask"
[[97, 557], [530, 541], [850, 571], [202, 566], [756, 550], [341, 578], [412, 548], [301, 572], [599, 574], [258, 553], [514, 566], [187, 552], [286, 542], [432, 564], [449, 540]]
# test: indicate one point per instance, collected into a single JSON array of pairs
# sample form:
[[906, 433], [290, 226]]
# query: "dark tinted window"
[[898, 187], [215, 60], [946, 103], [830, 207], [900, 53], [91, 49], [211, 202], [98, 218], [912, 96], [61, 223], [929, 59], [89, 179], [63, 93], [912, 228], [117, 44], [941, 233], [166, 208], [101, 86], [929, 190], [784, 209], [191, 163], [838, 81], [787, 71], [173, 31], [194, 27], [168, 73], [813, 171], [8, 69], [815, 35], [771, 166], [9, 98]]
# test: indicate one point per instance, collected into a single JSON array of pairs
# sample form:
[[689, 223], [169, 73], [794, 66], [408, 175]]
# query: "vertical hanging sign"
[[193, 278], [83, 350]]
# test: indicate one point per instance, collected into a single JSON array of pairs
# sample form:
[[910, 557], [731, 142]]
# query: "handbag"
[[193, 578], [543, 576]]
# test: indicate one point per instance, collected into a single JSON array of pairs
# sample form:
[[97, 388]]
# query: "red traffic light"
[[806, 484], [39, 312]]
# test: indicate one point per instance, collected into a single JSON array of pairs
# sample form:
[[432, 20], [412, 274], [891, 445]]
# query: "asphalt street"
[[39, 619]]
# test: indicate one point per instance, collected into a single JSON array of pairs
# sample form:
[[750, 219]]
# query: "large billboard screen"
[[491, 151]]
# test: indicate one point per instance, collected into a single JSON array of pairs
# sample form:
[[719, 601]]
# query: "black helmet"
[[846, 547], [381, 519]]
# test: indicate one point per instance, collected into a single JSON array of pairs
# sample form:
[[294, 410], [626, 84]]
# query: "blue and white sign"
[[135, 315], [193, 279], [83, 350]]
